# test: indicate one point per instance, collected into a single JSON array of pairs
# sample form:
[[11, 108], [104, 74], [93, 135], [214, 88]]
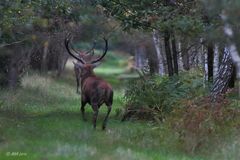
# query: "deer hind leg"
[[106, 117], [77, 80], [83, 103], [95, 114]]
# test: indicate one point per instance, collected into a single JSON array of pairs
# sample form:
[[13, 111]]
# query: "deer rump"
[[96, 91]]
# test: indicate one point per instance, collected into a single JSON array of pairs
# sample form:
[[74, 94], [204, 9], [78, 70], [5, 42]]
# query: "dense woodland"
[[174, 66]]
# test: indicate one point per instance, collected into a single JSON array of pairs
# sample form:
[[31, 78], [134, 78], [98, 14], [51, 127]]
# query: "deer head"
[[85, 55], [81, 56]]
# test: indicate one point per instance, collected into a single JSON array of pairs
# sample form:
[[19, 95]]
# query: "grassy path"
[[65, 136], [42, 121]]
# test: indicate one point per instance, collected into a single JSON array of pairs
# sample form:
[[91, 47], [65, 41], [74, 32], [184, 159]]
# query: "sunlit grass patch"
[[73, 151], [109, 71], [228, 150], [39, 94]]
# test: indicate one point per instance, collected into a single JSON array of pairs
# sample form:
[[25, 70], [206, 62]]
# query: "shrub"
[[153, 97], [201, 124]]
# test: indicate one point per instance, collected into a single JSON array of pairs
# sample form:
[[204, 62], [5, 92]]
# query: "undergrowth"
[[154, 97], [188, 120], [203, 127]]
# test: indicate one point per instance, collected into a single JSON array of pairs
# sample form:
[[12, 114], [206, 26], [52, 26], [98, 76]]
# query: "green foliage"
[[182, 16], [19, 18], [214, 8], [157, 96], [37, 22], [188, 25]]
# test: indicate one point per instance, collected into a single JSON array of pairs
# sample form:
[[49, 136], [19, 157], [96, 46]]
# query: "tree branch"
[[9, 44]]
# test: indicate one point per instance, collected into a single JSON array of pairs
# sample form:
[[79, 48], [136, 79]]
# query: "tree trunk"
[[163, 54], [157, 44], [140, 56], [62, 59], [61, 64], [185, 56], [152, 61], [234, 51], [233, 77], [216, 61], [205, 67], [44, 57], [13, 75], [204, 62], [210, 53], [180, 56], [175, 54], [168, 53], [220, 84], [19, 62]]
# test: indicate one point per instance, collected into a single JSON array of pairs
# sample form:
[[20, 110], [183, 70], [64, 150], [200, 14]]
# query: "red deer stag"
[[94, 90], [86, 56]]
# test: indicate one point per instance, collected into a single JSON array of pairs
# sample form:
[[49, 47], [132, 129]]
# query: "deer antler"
[[86, 52], [67, 43], [104, 53], [92, 49]]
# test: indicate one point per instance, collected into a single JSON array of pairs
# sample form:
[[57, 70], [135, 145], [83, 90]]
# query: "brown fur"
[[77, 70], [95, 91]]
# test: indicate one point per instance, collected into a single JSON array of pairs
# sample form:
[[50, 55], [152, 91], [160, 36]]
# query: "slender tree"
[[185, 56], [220, 84], [168, 53], [159, 50], [175, 54], [233, 77], [210, 59]]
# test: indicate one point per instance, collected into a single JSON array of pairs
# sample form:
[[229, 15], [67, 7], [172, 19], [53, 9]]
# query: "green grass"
[[65, 136], [41, 120]]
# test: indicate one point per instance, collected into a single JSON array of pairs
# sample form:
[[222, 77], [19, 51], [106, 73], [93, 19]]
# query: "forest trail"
[[43, 121]]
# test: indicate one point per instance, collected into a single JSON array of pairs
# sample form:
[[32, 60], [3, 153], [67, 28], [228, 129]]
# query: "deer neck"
[[87, 75]]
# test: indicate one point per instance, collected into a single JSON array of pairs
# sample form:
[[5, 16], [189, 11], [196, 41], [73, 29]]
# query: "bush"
[[200, 124], [153, 97]]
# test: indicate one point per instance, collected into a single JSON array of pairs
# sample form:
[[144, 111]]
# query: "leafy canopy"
[[181, 16]]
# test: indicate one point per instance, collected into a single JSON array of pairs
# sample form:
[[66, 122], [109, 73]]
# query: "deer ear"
[[79, 65], [96, 64]]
